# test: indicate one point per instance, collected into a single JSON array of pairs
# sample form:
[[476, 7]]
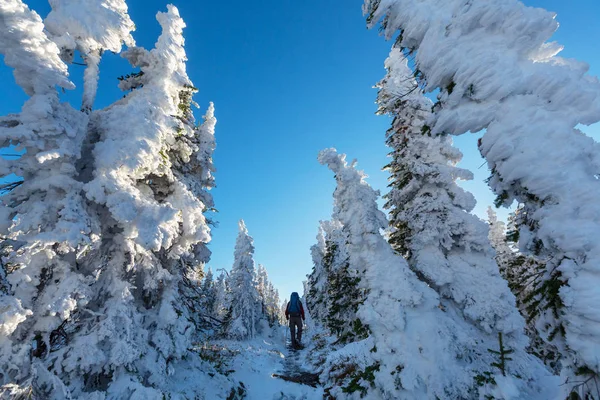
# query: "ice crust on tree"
[[497, 71], [417, 350]]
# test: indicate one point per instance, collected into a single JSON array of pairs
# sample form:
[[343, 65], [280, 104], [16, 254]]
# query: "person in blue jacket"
[[294, 313]]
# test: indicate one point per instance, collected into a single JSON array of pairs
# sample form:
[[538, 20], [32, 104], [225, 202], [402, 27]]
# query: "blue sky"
[[289, 78]]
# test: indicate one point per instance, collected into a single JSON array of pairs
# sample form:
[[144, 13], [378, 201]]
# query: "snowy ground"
[[259, 359]]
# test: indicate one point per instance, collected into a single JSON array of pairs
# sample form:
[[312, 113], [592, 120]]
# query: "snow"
[[244, 298], [27, 49], [90, 27], [439, 235], [104, 227], [251, 363], [90, 24], [497, 71], [420, 347], [104, 245], [258, 360]]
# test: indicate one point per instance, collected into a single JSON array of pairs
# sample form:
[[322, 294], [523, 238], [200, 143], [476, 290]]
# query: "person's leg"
[[299, 330], [292, 331], [297, 326]]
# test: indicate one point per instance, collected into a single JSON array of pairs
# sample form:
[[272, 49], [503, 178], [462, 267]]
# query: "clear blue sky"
[[289, 78]]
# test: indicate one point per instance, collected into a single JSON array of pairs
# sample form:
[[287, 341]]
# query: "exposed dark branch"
[[6, 188]]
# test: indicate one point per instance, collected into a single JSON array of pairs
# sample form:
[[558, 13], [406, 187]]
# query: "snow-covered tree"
[[71, 28], [315, 294], [244, 301], [522, 272], [104, 228], [415, 346], [497, 236], [282, 308], [526, 98], [221, 306], [44, 222], [209, 292], [202, 162], [308, 320], [430, 214], [272, 304], [334, 293], [268, 296], [262, 285], [344, 294]]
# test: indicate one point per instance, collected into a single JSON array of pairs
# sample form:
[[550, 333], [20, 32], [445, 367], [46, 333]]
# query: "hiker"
[[294, 312]]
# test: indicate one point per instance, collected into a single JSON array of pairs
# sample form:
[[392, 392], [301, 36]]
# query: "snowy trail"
[[259, 363], [293, 370]]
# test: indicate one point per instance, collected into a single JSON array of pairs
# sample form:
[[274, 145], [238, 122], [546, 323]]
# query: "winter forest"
[[107, 290]]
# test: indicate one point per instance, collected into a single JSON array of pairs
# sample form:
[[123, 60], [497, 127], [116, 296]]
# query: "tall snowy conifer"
[[526, 98], [336, 292], [316, 293], [209, 293], [43, 219], [415, 347], [220, 307], [497, 236], [268, 295], [273, 301], [244, 301], [105, 226], [202, 162], [431, 225], [262, 284]]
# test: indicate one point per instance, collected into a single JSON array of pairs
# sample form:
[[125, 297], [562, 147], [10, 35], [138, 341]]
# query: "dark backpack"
[[294, 305]]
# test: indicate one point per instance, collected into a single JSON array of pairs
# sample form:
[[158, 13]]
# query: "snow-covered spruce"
[[522, 274], [530, 101], [268, 296], [43, 220], [201, 299], [315, 294], [431, 224], [414, 349], [262, 285], [497, 235], [243, 315], [337, 293], [104, 225], [221, 306], [272, 304], [208, 290]]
